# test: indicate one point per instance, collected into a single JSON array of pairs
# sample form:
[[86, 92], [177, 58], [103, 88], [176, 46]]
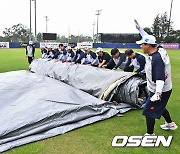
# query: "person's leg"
[[166, 116], [29, 60], [169, 124], [150, 122]]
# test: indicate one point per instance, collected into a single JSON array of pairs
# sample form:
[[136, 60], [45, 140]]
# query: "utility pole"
[[46, 18], [170, 17]]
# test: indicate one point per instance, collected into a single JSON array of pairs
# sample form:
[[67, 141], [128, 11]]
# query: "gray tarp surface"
[[106, 84], [34, 107]]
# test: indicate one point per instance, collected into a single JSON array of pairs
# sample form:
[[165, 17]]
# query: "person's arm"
[[83, 59], [26, 50], [110, 64], [103, 62], [64, 52], [93, 55], [158, 76], [142, 63], [75, 57], [95, 62], [72, 54], [142, 32], [80, 58], [33, 52], [122, 59], [127, 64], [140, 29], [56, 55]]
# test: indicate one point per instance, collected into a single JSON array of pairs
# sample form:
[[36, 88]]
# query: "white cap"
[[99, 50], [30, 42], [76, 48], [86, 48], [68, 48], [49, 46], [149, 39]]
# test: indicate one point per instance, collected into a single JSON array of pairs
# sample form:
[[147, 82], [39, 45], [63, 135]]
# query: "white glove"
[[156, 97], [159, 88], [137, 24]]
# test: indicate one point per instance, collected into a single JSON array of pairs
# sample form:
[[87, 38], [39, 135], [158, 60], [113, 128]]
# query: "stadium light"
[[170, 17]]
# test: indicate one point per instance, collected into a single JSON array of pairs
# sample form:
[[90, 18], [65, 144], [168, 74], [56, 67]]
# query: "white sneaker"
[[149, 134], [169, 126], [154, 140]]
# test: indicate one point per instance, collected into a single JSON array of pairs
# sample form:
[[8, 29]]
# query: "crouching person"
[[79, 55], [103, 57], [69, 55], [135, 60], [118, 60], [90, 58]]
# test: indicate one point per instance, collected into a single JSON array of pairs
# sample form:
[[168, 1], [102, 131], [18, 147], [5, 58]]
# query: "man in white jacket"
[[158, 73]]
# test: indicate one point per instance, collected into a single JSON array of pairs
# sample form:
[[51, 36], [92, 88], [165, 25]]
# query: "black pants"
[[30, 59], [150, 122], [129, 69], [153, 110]]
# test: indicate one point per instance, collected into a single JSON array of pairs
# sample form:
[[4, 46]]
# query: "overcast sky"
[[117, 15]]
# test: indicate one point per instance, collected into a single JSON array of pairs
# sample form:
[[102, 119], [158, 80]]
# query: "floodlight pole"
[[46, 18], [30, 36], [93, 31], [170, 17], [35, 20], [98, 13]]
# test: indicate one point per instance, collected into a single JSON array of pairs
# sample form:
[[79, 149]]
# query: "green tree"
[[17, 32], [160, 28]]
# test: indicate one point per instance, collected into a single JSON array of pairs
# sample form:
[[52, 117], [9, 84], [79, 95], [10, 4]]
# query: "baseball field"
[[97, 137]]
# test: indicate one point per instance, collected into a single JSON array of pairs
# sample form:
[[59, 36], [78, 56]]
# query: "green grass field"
[[96, 138]]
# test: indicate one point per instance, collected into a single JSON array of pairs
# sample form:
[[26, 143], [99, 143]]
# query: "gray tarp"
[[106, 84], [35, 107]]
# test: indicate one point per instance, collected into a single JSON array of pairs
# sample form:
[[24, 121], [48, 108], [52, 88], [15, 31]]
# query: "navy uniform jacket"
[[71, 54], [112, 64], [78, 56], [141, 61], [93, 55], [158, 67], [56, 55]]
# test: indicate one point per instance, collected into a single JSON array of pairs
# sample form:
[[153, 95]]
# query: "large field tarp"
[[59, 97], [106, 84], [34, 107]]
